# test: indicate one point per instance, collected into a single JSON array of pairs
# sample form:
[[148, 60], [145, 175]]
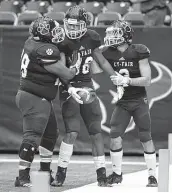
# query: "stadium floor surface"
[[81, 171]]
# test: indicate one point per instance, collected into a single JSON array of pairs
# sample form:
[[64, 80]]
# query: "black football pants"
[[38, 120], [124, 110]]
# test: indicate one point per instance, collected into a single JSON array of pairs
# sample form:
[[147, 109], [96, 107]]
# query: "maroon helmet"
[[75, 22], [118, 33], [47, 30]]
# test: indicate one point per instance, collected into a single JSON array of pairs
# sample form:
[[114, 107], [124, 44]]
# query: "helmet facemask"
[[58, 34], [114, 36], [75, 29]]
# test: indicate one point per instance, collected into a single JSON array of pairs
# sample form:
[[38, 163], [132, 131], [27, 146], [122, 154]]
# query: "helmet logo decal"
[[43, 28]]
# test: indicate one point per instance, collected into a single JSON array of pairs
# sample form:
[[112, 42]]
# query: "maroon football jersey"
[[34, 78], [128, 61], [85, 47]]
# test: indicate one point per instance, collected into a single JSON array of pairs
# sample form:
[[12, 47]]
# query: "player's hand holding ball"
[[74, 93], [82, 95], [87, 95]]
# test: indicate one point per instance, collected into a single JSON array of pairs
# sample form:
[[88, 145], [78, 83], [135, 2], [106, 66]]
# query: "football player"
[[41, 66], [134, 74], [82, 40]]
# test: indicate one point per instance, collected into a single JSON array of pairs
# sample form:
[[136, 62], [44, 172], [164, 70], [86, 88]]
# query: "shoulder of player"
[[103, 48], [47, 49], [28, 42], [140, 48], [65, 45], [93, 34], [66, 41]]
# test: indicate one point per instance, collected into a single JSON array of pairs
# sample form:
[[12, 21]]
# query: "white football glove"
[[120, 80], [73, 92], [118, 95], [77, 65], [120, 92], [115, 98]]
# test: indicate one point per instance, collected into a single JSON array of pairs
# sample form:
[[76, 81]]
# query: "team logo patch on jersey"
[[122, 58], [49, 51]]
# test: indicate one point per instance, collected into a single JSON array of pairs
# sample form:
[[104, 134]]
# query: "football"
[[91, 96]]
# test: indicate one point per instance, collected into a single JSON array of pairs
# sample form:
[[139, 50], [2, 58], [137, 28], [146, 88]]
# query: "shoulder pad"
[[94, 35], [48, 51], [142, 50]]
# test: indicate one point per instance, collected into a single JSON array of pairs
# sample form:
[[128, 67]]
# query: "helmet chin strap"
[[113, 46], [116, 46], [120, 46]]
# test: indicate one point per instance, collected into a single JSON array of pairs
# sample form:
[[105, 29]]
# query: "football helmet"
[[118, 33], [75, 22], [47, 30]]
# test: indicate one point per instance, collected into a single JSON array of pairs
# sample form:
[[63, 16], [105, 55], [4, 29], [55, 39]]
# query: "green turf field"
[[81, 171]]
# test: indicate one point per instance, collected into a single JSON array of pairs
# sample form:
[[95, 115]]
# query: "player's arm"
[[106, 67], [145, 79], [144, 67], [103, 63], [66, 74], [75, 64], [59, 68], [49, 56], [145, 71], [95, 68], [100, 62]]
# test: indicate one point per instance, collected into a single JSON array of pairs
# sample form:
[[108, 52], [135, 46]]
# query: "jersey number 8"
[[24, 64]]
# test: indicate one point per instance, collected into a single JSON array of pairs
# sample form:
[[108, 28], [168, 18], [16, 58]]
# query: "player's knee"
[[115, 133], [32, 138], [72, 124], [148, 147], [70, 137], [116, 143], [27, 152], [49, 142], [94, 128], [116, 129], [145, 136], [96, 137]]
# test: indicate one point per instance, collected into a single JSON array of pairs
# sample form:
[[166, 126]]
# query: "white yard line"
[[6, 160]]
